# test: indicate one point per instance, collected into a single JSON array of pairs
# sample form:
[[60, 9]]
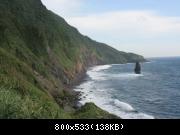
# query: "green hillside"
[[41, 56]]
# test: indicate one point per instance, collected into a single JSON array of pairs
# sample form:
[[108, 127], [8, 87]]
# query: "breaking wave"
[[92, 93]]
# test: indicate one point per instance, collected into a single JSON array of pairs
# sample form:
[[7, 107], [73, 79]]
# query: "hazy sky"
[[147, 27]]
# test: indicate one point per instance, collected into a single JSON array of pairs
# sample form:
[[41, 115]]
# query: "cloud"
[[63, 7], [143, 32], [127, 22], [139, 31]]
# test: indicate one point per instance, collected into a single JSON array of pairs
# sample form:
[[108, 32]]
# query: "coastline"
[[77, 95], [91, 88], [87, 94]]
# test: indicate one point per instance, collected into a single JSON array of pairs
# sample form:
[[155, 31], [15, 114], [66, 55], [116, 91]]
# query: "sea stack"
[[137, 69]]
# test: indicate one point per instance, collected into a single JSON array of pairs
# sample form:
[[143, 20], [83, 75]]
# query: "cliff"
[[40, 57]]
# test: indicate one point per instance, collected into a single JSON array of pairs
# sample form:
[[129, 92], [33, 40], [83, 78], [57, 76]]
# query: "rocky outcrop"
[[137, 69]]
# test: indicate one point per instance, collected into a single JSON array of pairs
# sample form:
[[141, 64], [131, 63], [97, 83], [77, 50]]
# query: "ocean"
[[153, 94]]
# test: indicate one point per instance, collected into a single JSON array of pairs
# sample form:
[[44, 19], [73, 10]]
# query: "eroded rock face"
[[137, 69]]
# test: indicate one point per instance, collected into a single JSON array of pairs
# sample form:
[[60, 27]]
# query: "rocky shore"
[[88, 106]]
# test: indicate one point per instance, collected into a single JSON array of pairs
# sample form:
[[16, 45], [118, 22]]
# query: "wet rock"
[[137, 69]]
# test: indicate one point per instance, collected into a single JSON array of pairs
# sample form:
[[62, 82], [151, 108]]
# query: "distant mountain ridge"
[[40, 56]]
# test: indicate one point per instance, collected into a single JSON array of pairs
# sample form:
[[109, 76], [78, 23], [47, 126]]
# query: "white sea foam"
[[125, 114], [126, 75], [123, 106], [103, 98], [104, 76], [95, 74], [116, 64], [121, 109], [99, 68]]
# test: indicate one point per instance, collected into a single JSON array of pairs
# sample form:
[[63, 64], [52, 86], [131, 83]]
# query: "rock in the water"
[[137, 69]]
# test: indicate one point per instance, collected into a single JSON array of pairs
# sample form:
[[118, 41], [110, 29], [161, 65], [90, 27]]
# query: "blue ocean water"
[[153, 94]]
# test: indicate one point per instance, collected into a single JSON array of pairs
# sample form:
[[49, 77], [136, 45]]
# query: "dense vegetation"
[[40, 56]]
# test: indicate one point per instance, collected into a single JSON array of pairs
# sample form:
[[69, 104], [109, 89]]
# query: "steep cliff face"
[[40, 55]]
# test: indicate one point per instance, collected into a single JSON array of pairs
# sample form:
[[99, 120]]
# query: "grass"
[[39, 55], [33, 106], [91, 111], [19, 96]]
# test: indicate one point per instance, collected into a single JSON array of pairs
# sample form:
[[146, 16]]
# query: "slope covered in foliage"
[[40, 56]]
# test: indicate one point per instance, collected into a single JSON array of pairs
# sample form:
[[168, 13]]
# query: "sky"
[[147, 27]]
